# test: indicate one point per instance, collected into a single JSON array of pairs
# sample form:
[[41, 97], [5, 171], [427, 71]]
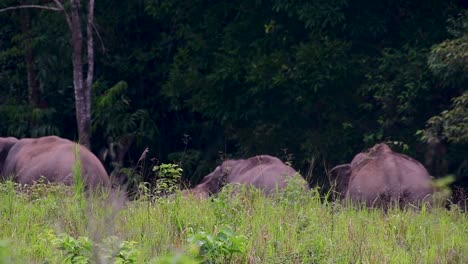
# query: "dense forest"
[[313, 82]]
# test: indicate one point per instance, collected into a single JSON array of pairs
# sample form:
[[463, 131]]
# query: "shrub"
[[168, 179], [80, 250], [218, 248]]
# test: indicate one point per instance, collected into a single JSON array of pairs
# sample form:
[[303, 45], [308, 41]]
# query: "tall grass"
[[293, 227]]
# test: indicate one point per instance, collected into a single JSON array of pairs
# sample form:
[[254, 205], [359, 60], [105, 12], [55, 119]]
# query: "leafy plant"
[[220, 247], [121, 252], [447, 60], [168, 178], [143, 191], [450, 125], [76, 251], [80, 250], [294, 191]]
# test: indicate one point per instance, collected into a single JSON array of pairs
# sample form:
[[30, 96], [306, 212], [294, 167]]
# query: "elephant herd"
[[378, 175]]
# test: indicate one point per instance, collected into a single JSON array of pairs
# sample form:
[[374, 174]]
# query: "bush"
[[168, 179], [218, 248], [80, 250]]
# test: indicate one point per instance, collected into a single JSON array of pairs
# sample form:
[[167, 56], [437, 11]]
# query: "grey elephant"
[[263, 172], [381, 176], [27, 160]]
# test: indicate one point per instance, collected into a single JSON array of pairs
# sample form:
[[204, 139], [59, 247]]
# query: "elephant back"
[[53, 158], [381, 174]]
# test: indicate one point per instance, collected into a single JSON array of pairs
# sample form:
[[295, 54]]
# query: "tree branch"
[[67, 17], [100, 38], [30, 6]]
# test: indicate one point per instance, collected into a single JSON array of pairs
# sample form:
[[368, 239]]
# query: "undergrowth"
[[46, 224]]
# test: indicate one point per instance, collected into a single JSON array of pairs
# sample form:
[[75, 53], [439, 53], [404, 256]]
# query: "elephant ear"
[[5, 145], [339, 177], [213, 182]]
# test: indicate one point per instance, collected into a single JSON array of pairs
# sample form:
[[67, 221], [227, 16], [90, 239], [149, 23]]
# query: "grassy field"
[[55, 224]]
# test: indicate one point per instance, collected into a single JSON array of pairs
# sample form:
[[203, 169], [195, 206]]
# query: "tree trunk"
[[33, 85], [83, 114], [90, 46]]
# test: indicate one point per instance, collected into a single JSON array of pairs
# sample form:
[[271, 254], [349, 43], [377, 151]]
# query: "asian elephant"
[[380, 176], [27, 160], [264, 172]]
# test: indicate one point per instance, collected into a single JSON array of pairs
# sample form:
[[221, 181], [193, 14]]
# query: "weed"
[[82, 250], [295, 190], [122, 252], [75, 251], [218, 248], [168, 179]]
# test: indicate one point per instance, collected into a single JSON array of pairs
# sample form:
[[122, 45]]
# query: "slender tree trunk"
[[90, 47], [83, 114], [33, 85]]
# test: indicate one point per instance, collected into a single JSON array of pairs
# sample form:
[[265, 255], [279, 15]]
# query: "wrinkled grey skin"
[[264, 172], [27, 159], [380, 176]]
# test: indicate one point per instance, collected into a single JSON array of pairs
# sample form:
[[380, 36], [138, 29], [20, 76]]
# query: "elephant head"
[[339, 177], [380, 175], [264, 172], [211, 184], [5, 145], [53, 158]]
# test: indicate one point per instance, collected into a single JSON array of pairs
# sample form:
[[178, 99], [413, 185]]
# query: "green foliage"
[[43, 34], [11, 57], [450, 125], [220, 247], [121, 252], [116, 117], [80, 250], [75, 251], [399, 146], [168, 179], [396, 91], [191, 161], [114, 114], [168, 171], [42, 189], [23, 121], [324, 78], [444, 192], [447, 60], [294, 193], [315, 14], [144, 191], [267, 230]]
